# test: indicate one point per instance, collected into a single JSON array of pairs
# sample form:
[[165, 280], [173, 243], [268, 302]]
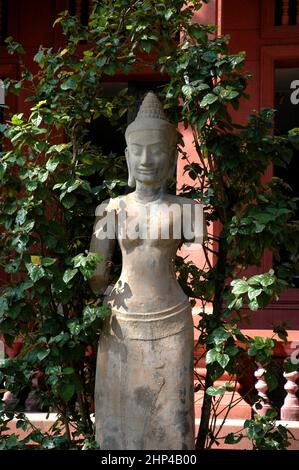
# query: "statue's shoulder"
[[109, 205]]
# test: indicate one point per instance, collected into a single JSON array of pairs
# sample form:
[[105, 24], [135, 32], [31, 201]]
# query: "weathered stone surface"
[[144, 395], [144, 389]]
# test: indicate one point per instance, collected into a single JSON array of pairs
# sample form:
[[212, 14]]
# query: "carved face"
[[150, 157]]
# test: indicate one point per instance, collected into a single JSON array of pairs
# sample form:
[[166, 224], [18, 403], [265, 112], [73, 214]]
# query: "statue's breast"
[[166, 246], [153, 225]]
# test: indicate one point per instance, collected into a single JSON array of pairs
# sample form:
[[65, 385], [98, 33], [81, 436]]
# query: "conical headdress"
[[151, 108], [151, 117]]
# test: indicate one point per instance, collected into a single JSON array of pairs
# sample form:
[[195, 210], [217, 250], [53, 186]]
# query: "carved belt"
[[148, 326]]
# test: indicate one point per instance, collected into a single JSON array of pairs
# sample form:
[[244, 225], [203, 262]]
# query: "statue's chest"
[[151, 222]]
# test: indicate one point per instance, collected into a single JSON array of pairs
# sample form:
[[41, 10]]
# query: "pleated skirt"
[[144, 392]]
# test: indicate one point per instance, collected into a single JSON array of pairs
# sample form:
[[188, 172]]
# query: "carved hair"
[[151, 117]]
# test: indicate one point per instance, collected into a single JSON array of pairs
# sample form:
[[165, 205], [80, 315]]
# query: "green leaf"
[[3, 168], [215, 356], [146, 46], [91, 313], [232, 350], [239, 287], [31, 185], [44, 300], [35, 272], [69, 274], [211, 356], [13, 266], [223, 359], [52, 164], [39, 58], [75, 327], [69, 200], [187, 90], [238, 303], [267, 279], [208, 99], [36, 119], [168, 14], [3, 306], [13, 46], [126, 68], [28, 226], [22, 424], [48, 261], [67, 391], [230, 94], [61, 338], [39, 104], [201, 86], [21, 216], [271, 380], [17, 119], [76, 184], [209, 56], [259, 342], [79, 260], [109, 69], [43, 176], [213, 391], [68, 370], [71, 83], [253, 305], [233, 438], [59, 147], [42, 354], [218, 336], [254, 292]]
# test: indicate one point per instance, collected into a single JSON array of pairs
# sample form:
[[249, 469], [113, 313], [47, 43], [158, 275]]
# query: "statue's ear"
[[173, 164], [131, 179]]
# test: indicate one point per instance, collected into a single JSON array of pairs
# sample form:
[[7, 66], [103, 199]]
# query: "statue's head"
[[151, 144]]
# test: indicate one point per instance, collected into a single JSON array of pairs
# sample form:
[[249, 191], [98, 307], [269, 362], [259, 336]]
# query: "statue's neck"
[[148, 192]]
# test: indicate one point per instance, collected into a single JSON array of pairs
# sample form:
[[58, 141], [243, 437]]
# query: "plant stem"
[[205, 414], [217, 305], [85, 413], [67, 427]]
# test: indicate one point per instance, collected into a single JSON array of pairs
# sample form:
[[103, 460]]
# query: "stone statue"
[[144, 395]]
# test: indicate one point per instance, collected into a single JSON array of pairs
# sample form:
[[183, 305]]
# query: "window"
[[279, 18], [3, 21], [81, 9], [287, 117], [111, 138], [102, 132], [286, 12]]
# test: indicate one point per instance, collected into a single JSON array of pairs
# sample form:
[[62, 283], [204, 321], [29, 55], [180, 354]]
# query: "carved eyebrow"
[[148, 145]]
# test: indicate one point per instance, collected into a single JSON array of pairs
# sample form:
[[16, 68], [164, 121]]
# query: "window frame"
[[269, 29], [271, 58]]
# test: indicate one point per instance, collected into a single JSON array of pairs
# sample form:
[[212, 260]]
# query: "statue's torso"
[[148, 280], [144, 390]]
